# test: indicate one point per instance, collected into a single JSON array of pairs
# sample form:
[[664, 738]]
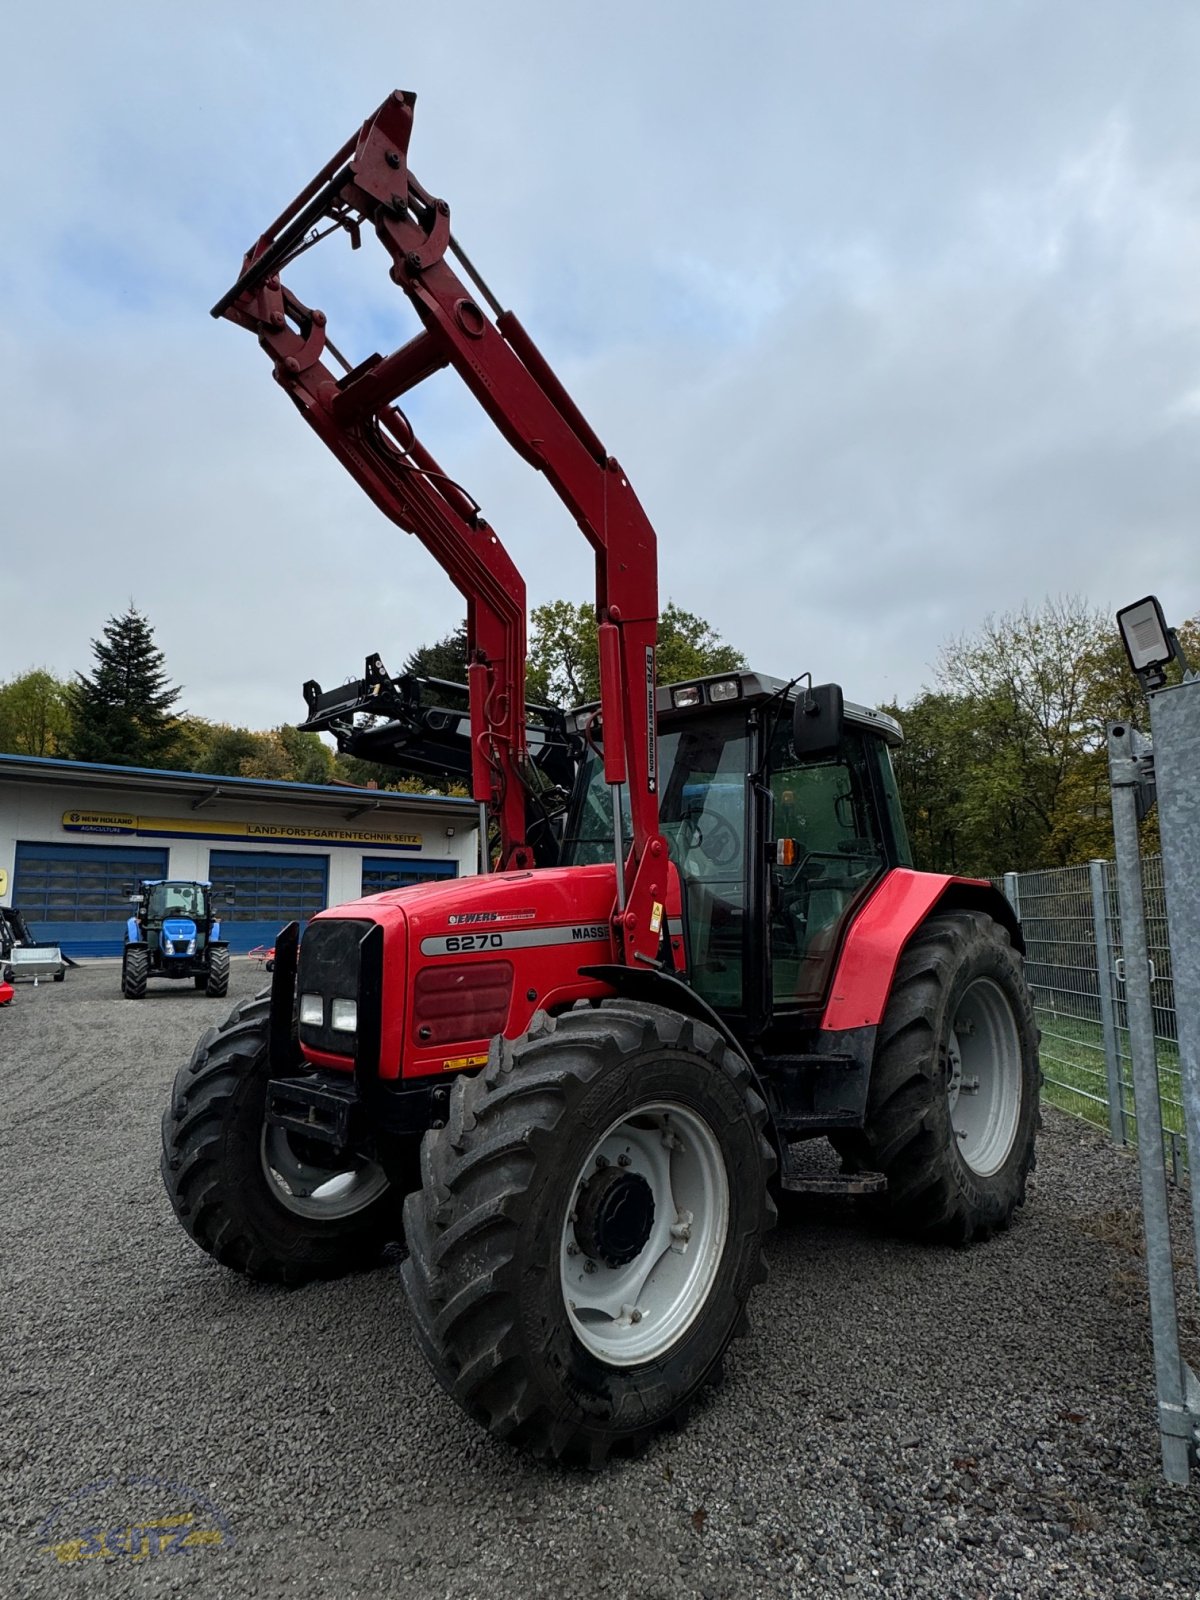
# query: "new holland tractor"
[[574, 1083], [174, 932]]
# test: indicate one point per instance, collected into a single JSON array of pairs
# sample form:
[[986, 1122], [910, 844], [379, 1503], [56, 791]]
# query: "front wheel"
[[590, 1228], [257, 1197], [135, 969], [217, 986], [952, 1111]]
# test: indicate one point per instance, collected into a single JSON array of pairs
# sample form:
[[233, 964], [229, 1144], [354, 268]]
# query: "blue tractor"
[[174, 933]]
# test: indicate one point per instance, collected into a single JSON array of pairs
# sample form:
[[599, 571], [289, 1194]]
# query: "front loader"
[[573, 1088]]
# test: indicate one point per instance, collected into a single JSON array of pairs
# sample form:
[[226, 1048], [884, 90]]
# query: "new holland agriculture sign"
[[119, 822]]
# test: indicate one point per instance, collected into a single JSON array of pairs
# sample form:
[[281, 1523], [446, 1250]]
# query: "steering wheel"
[[717, 840]]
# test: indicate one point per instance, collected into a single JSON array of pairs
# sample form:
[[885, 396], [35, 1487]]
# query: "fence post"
[[1098, 873], [1126, 756], [1012, 891]]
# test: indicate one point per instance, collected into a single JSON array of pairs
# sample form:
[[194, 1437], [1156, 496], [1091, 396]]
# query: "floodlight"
[[1149, 643]]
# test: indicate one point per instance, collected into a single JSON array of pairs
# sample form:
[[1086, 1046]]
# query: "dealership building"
[[74, 835]]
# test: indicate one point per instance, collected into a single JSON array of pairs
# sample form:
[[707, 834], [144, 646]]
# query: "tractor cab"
[[781, 814], [169, 901]]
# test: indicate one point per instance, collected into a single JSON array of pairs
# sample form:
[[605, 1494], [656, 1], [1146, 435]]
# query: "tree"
[[564, 666], [446, 658], [283, 753], [121, 712], [1005, 762], [35, 714]]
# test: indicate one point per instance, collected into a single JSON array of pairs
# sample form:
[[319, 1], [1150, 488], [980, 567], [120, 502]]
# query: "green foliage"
[[35, 714], [283, 753], [445, 658], [564, 664], [121, 712], [1005, 765]]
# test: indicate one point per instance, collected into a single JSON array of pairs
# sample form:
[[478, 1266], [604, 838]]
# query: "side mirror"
[[817, 720]]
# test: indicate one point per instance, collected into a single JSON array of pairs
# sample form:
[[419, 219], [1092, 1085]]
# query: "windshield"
[[702, 808], [178, 900]]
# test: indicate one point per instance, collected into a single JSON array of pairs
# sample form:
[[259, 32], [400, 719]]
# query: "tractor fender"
[[664, 989], [133, 934], [871, 950]]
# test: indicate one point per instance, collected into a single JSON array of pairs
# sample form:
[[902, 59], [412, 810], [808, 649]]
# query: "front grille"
[[329, 967]]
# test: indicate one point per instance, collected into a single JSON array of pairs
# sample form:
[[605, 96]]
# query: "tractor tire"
[[952, 1110], [135, 969], [590, 1228], [259, 1199], [217, 986]]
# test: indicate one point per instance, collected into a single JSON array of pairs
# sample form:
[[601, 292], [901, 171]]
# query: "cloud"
[[890, 313]]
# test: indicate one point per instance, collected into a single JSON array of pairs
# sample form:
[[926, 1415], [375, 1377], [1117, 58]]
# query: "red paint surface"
[[543, 975], [863, 979]]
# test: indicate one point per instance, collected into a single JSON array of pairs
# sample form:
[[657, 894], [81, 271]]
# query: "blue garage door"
[[74, 895], [270, 890], [386, 872]]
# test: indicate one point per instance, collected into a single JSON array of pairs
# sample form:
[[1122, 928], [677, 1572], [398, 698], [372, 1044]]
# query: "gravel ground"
[[900, 1421]]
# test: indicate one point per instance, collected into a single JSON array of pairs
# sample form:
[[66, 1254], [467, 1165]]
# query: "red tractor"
[[573, 1084]]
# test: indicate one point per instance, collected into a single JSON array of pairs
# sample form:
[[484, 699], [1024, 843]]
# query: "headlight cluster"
[[343, 1014]]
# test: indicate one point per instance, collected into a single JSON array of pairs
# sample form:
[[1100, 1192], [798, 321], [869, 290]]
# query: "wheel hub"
[[614, 1216]]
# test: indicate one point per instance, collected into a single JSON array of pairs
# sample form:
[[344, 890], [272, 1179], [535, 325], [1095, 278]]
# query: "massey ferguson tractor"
[[573, 1084]]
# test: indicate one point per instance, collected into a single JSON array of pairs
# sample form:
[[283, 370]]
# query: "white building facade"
[[75, 835]]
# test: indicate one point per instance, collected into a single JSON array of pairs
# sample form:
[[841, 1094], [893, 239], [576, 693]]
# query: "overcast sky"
[[891, 312]]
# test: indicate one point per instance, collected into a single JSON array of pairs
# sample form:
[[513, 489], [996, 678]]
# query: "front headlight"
[[191, 949], [343, 1016], [312, 1010]]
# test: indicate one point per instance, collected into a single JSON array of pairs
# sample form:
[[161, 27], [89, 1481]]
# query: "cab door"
[[827, 805]]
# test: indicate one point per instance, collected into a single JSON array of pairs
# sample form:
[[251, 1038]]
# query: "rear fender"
[[862, 980]]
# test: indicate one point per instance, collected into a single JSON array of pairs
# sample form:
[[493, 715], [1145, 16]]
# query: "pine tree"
[[121, 713]]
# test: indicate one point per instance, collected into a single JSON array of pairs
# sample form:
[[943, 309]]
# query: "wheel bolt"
[[589, 1266], [601, 1163], [572, 1248], [623, 1161]]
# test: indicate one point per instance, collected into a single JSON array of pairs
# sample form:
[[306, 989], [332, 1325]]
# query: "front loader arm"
[[368, 182]]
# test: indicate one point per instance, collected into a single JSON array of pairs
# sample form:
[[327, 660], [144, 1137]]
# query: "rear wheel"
[[589, 1228], [135, 969], [217, 985], [952, 1113], [259, 1198]]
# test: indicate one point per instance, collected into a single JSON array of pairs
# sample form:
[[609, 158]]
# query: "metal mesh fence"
[[1076, 970]]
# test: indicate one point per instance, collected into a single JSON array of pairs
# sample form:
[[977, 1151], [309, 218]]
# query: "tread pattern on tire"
[[465, 1225], [210, 1198], [135, 969], [217, 985], [930, 1191]]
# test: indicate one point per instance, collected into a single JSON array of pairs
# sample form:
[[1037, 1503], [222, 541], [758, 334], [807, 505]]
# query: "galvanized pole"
[[1175, 724], [1108, 1015], [1012, 891], [1127, 752]]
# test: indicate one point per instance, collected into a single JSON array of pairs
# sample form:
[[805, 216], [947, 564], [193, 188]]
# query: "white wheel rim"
[[321, 1192], [635, 1311], [984, 1078]]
